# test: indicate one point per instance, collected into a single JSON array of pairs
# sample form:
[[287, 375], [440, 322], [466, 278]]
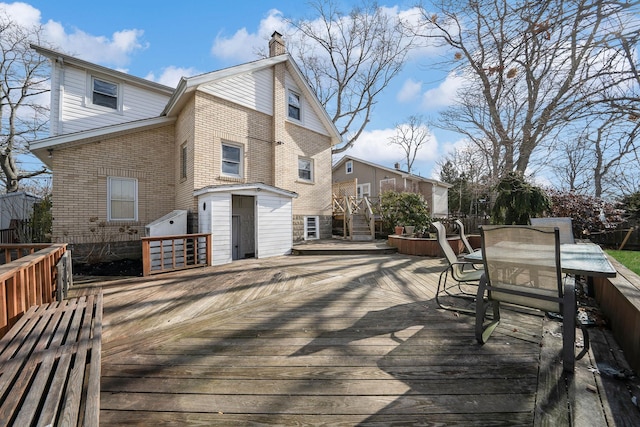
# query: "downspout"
[[58, 125]]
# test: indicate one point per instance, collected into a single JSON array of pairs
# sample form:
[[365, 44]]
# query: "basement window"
[[311, 227]]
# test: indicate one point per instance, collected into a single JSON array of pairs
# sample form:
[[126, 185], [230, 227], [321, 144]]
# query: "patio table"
[[580, 259]]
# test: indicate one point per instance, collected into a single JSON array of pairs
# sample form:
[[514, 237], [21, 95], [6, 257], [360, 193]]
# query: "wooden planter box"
[[422, 246], [475, 240]]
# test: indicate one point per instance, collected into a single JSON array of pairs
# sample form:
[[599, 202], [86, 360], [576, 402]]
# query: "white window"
[[388, 184], [348, 167], [294, 111], [232, 160], [104, 93], [122, 199], [305, 169], [311, 227], [364, 190], [183, 160]]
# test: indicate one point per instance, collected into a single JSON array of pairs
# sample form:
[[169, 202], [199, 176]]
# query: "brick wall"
[[184, 134], [221, 121], [79, 186], [153, 158]]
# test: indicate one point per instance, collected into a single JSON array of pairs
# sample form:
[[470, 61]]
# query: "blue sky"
[[163, 41]]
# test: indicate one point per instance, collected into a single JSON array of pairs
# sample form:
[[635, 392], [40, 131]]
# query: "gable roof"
[[402, 173], [178, 97], [80, 63], [188, 85]]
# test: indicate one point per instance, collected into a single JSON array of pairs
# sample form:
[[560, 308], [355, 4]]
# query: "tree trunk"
[[9, 169]]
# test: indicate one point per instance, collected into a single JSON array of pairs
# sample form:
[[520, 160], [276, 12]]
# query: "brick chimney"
[[276, 45]]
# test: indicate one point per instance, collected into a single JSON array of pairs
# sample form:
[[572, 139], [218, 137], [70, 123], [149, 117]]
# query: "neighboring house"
[[14, 209], [245, 150], [372, 180]]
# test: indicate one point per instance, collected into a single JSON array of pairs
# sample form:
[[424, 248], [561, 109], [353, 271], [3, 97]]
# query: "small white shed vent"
[[172, 224]]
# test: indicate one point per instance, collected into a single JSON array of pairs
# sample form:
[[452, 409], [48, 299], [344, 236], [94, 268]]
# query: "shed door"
[[235, 237]]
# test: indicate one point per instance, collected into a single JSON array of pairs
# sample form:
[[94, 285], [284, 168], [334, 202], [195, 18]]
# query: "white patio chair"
[[463, 236], [456, 270]]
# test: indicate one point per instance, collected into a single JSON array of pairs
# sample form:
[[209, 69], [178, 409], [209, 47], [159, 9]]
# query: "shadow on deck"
[[344, 340]]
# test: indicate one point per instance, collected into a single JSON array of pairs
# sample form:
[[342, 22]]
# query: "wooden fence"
[[27, 278], [162, 254]]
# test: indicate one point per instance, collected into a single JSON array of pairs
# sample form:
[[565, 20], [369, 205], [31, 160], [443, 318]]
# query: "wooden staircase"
[[357, 217], [360, 229]]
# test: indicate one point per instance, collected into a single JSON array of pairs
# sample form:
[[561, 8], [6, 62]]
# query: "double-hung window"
[[294, 105], [305, 169], [104, 93], [122, 199], [348, 167], [183, 161], [232, 160]]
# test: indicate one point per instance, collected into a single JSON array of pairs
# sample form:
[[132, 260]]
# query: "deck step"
[[343, 247]]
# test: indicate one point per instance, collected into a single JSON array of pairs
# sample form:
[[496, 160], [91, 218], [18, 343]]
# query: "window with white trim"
[[311, 227], [348, 167], [388, 184], [294, 105], [305, 169], [122, 199], [232, 160], [104, 93], [364, 190]]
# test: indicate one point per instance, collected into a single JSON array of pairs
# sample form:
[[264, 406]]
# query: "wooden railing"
[[27, 278], [162, 254], [368, 210], [347, 206]]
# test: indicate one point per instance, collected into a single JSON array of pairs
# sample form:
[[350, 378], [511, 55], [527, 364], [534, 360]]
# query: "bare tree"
[[469, 171], [530, 68], [411, 136], [23, 77], [349, 59]]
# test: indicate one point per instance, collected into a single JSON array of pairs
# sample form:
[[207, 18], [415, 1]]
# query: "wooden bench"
[[50, 365]]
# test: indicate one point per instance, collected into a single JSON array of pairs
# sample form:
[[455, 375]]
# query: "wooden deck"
[[335, 340]]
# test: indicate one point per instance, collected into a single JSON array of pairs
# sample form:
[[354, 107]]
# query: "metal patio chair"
[[522, 267], [463, 236], [456, 270], [564, 224]]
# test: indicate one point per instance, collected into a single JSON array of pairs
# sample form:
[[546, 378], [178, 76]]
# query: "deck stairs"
[[360, 230], [356, 217]]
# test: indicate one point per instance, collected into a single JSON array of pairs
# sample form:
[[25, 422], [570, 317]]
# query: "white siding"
[[79, 114], [216, 219], [57, 74], [252, 90], [310, 119], [275, 226]]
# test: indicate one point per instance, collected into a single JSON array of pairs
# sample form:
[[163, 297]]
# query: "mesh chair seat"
[[522, 267]]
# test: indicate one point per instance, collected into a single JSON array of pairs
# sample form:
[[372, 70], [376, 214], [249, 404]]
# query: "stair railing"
[[368, 212]]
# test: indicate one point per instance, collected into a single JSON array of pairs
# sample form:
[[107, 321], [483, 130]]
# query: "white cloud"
[[373, 146], [243, 46], [171, 75], [114, 50], [22, 14], [410, 90], [443, 95]]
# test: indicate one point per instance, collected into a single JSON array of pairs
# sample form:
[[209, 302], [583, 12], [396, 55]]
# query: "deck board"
[[346, 340]]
